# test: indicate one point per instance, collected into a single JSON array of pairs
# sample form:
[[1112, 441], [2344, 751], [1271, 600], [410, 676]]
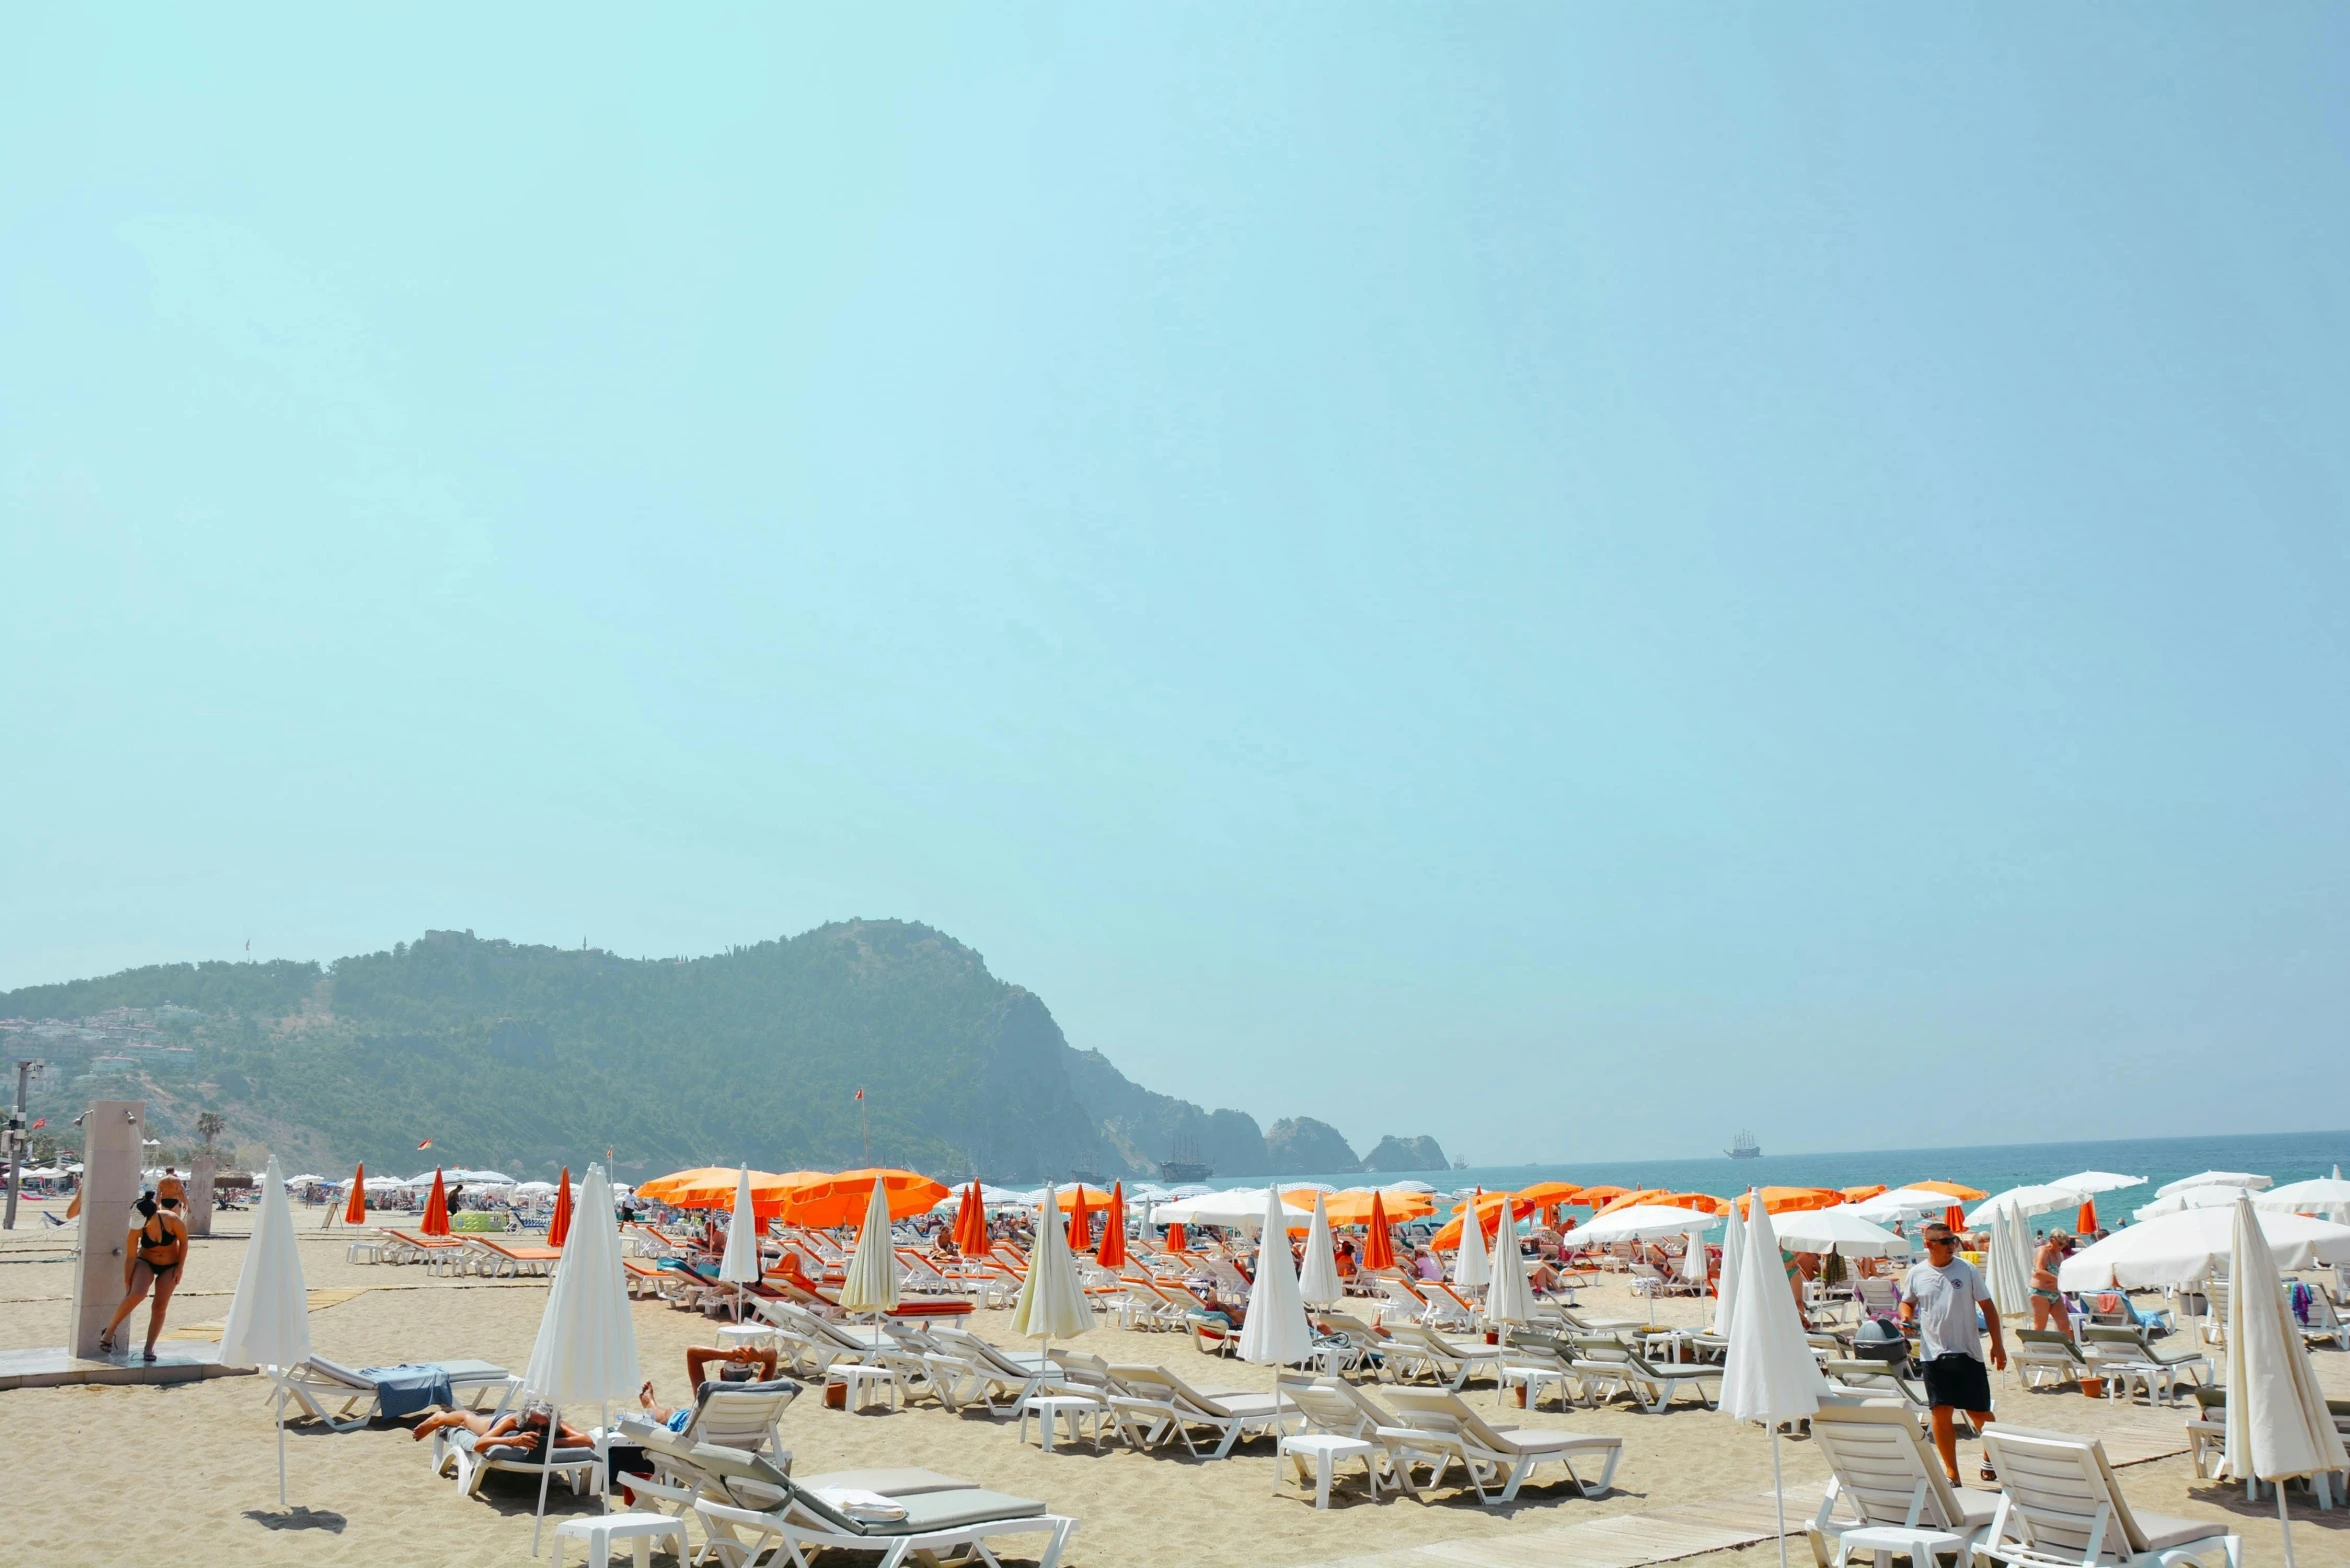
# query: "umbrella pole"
[[1779, 1494], [546, 1469], [281, 1443], [2285, 1523]]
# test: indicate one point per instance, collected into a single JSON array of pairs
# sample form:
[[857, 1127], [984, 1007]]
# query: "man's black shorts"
[[1960, 1382]]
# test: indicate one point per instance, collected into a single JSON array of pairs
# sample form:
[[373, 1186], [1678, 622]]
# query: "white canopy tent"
[[2184, 1249]]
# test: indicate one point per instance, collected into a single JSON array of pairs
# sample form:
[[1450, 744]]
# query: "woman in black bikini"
[[152, 1256]]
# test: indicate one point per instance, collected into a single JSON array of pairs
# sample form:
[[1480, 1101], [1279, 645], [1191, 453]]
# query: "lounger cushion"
[[2164, 1531], [1541, 1440], [927, 1511], [907, 1482], [1976, 1508]]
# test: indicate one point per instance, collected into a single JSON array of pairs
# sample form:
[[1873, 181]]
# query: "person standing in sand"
[[1943, 1296], [153, 1256], [2047, 1300]]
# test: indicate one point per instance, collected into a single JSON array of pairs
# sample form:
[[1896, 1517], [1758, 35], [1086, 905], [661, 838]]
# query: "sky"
[[1571, 578]]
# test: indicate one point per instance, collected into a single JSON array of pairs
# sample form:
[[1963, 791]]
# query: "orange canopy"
[[1793, 1200], [1080, 1221], [559, 1222], [841, 1199], [1113, 1249], [1863, 1194], [1952, 1189], [1488, 1217], [1071, 1195], [1551, 1194], [436, 1208], [1595, 1196], [1702, 1202], [355, 1211], [1379, 1249], [1356, 1208], [713, 1187]]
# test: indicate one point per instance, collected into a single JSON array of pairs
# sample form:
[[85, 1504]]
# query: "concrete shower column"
[[111, 1136]]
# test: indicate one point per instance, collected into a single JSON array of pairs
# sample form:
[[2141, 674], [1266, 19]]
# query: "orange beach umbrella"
[[355, 1211], [1080, 1223], [1792, 1200], [1379, 1248], [841, 1199], [1113, 1249], [436, 1208], [971, 1224], [713, 1187], [1954, 1189], [1176, 1238], [1489, 1206], [2085, 1223], [1601, 1195], [1356, 1208], [1078, 1192], [559, 1222]]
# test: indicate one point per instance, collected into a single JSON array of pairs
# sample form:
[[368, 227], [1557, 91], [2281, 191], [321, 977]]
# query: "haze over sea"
[[2287, 1156]]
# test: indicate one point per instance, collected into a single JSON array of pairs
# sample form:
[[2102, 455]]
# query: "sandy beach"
[[190, 1470]]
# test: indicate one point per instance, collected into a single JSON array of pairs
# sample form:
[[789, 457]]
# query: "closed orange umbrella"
[[355, 1211], [2085, 1223], [1176, 1238], [841, 1199], [971, 1224], [1379, 1249], [1113, 1249], [559, 1222], [1955, 1218], [436, 1208], [1080, 1224]]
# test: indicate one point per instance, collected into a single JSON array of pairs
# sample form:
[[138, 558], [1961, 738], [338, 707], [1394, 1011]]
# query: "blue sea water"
[[2286, 1156]]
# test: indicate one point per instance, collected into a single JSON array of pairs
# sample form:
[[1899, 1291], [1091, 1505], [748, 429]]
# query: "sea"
[[2286, 1156]]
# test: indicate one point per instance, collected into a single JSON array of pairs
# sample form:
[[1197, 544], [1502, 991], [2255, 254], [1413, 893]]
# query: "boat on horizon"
[[1743, 1147]]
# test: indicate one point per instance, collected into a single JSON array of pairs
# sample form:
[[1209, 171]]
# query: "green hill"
[[526, 1057]]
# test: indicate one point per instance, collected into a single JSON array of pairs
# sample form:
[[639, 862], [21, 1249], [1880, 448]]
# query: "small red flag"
[[426, 1144], [860, 1094], [43, 1122]]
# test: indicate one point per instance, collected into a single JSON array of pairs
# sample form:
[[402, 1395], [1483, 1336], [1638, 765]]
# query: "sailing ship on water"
[[1743, 1147]]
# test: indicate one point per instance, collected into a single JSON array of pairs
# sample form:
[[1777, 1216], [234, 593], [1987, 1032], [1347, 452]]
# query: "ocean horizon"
[[2287, 1157]]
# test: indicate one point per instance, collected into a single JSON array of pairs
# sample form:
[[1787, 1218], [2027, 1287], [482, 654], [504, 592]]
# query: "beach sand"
[[188, 1473]]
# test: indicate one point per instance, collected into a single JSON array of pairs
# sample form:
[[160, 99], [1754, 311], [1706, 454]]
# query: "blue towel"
[[403, 1390]]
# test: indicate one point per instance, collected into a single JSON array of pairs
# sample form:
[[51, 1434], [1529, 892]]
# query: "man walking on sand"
[[1940, 1296]]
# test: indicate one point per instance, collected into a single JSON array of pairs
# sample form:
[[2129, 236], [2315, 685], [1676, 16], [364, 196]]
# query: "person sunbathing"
[[520, 1432], [735, 1366]]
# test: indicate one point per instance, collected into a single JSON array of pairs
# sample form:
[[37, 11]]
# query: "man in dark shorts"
[[1940, 1295]]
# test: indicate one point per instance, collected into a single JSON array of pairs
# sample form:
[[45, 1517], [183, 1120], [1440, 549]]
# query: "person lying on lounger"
[[520, 1432], [736, 1365]]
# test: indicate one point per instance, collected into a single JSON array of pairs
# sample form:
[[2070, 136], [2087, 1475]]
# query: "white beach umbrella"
[[2022, 1202], [2011, 1292], [1275, 1332], [1409, 1186], [2184, 1249], [1511, 1300], [2098, 1181], [1642, 1222], [1768, 1373], [872, 1283], [1052, 1297], [741, 1264], [269, 1321], [586, 1348], [1241, 1208], [2216, 1179], [1471, 1268], [1692, 1258], [1733, 1261], [2210, 1195], [2278, 1424], [1840, 1230], [1318, 1283], [2326, 1197]]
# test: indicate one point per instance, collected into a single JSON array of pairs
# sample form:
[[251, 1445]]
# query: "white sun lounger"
[[318, 1382], [803, 1519], [1157, 1405], [2060, 1507], [1885, 1475], [1508, 1454]]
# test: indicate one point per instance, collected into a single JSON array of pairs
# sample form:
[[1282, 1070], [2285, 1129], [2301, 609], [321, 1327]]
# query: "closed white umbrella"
[[1733, 1261], [1318, 1283], [1840, 1230], [2184, 1249], [1511, 1300], [872, 1283], [2278, 1424], [1276, 1332], [586, 1349], [1692, 1258], [1052, 1297], [2216, 1179], [1471, 1268], [269, 1321], [2326, 1197], [2011, 1292], [741, 1263], [1768, 1374]]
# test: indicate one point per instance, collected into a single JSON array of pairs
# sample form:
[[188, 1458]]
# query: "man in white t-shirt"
[[1941, 1296]]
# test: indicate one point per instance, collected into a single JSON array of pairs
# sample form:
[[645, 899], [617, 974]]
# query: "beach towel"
[[405, 1389], [2303, 1299]]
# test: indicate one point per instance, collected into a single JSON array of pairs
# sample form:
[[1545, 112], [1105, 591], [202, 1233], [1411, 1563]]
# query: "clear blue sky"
[[1574, 578]]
